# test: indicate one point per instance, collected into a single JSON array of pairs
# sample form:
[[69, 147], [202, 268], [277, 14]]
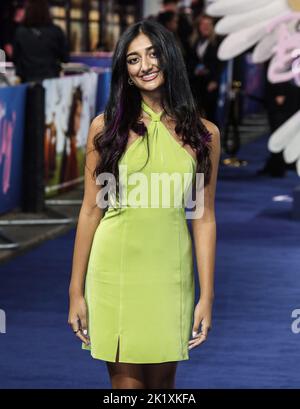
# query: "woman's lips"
[[150, 77]]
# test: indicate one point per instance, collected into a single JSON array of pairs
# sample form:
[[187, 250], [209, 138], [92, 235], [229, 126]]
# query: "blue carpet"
[[251, 344]]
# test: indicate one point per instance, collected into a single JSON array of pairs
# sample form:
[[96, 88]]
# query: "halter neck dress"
[[139, 285]]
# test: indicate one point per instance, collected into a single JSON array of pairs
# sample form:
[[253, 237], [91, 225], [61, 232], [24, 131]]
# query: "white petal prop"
[[298, 167], [265, 48], [221, 7], [292, 151], [230, 24], [236, 43], [280, 139]]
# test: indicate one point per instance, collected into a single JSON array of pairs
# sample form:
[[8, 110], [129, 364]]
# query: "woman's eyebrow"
[[136, 52]]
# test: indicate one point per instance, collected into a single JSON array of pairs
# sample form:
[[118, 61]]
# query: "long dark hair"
[[123, 108], [37, 13]]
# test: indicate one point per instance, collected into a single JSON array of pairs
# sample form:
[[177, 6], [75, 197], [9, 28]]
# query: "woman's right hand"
[[78, 317]]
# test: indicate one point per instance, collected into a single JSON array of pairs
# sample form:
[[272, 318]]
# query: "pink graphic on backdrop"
[[296, 66], [6, 131], [286, 17], [286, 63]]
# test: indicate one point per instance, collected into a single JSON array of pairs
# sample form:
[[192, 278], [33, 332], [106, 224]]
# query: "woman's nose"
[[146, 64]]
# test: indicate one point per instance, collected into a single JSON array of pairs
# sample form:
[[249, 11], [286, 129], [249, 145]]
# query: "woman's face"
[[141, 60]]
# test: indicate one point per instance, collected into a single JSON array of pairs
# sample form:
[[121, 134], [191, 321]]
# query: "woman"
[[282, 102], [69, 170], [40, 46], [11, 18], [207, 67], [132, 283]]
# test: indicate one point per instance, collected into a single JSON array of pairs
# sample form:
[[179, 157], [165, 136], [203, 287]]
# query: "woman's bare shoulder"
[[98, 123], [96, 127], [211, 127]]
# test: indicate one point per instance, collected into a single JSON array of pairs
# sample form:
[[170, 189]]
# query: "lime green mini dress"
[[139, 285]]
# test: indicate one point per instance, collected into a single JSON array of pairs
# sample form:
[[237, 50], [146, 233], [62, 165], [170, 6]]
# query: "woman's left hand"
[[203, 316]]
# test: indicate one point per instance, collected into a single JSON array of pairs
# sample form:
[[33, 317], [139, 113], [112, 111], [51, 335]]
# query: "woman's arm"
[[204, 228], [89, 219], [204, 235]]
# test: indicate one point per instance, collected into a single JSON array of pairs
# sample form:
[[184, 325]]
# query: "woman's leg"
[[160, 375], [125, 375]]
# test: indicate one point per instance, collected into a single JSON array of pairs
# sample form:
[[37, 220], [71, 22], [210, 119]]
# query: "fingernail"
[[194, 334], [84, 331]]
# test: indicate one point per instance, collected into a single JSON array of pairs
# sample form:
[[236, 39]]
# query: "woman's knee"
[[160, 376], [126, 376]]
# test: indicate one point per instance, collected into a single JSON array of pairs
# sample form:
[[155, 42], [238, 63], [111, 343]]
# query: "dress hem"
[[102, 358]]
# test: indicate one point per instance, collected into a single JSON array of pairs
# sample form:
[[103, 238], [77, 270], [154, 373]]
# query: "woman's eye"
[[132, 60]]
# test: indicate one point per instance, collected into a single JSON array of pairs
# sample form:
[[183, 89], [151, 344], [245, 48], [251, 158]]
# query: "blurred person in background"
[[185, 32], [169, 19], [40, 46], [180, 24], [282, 101], [207, 67], [12, 18], [166, 6], [197, 7], [169, 5]]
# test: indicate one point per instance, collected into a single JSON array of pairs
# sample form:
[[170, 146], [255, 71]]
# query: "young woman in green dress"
[[132, 291]]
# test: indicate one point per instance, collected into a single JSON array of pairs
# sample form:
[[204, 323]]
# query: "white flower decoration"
[[287, 139], [265, 24], [249, 22]]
